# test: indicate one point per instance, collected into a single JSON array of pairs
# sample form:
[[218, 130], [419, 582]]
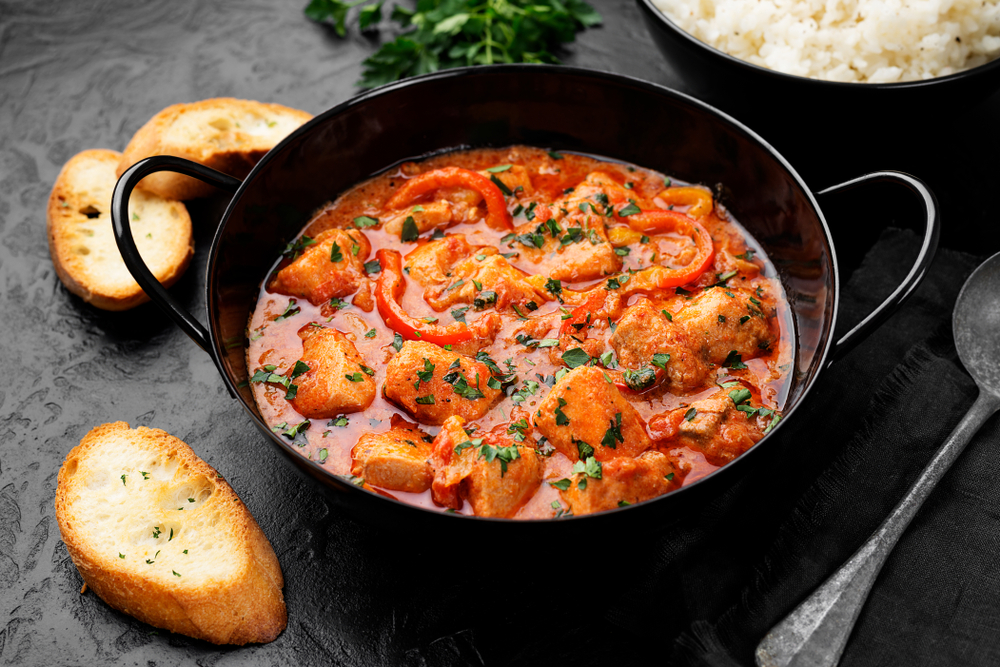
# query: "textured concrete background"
[[77, 75]]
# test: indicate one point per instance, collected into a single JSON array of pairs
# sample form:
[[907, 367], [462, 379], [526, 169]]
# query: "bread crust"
[[245, 607], [235, 153], [86, 182]]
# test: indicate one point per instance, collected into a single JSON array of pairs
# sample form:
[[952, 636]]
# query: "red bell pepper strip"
[[389, 290], [594, 302], [658, 277], [497, 216]]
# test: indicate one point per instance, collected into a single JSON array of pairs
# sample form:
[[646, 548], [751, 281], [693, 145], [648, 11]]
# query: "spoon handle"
[[816, 632]]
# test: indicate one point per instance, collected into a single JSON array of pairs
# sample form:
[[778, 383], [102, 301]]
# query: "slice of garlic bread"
[[223, 133], [82, 243], [159, 535]]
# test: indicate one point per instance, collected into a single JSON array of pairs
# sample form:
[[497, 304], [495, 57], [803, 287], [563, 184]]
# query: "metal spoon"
[[815, 633]]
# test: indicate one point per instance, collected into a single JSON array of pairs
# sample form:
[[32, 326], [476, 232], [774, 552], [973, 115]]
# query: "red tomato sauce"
[[647, 265]]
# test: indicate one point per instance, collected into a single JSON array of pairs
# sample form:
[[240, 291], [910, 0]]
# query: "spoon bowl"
[[816, 631], [976, 325]]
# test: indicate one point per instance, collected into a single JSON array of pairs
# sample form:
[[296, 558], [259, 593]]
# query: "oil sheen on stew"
[[521, 333]]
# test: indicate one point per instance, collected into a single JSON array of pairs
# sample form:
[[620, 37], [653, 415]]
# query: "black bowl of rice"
[[869, 66]]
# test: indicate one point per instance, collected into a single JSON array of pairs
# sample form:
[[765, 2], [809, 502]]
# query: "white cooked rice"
[[874, 41]]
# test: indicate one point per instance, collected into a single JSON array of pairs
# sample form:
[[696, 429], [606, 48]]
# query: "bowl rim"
[[695, 44], [323, 474]]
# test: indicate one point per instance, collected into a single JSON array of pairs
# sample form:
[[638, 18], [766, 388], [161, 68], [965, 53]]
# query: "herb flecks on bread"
[[82, 242], [224, 133], [158, 534]]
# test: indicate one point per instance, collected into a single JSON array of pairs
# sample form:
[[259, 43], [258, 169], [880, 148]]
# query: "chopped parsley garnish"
[[145, 475], [363, 221], [457, 283], [587, 464], [475, 442], [295, 248], [639, 380], [499, 169], [555, 156], [503, 454], [299, 368], [561, 418], [690, 414], [774, 420], [747, 256], [371, 333], [397, 342], [410, 232], [425, 400], [426, 374], [335, 254], [501, 185], [573, 235], [339, 304], [484, 299], [744, 319], [622, 252], [562, 484], [340, 421], [722, 319], [553, 286], [575, 357], [660, 360], [739, 396], [267, 374], [631, 209], [458, 314], [290, 310], [614, 433], [522, 394], [374, 266], [734, 360], [354, 377]]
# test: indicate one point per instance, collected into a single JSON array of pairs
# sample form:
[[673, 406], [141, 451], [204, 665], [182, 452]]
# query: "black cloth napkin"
[[708, 591], [871, 424]]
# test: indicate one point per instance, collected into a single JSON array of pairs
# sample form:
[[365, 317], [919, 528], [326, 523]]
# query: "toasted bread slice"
[[159, 535], [82, 243], [224, 133]]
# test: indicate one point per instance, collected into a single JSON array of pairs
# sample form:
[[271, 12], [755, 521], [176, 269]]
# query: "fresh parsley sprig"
[[440, 34]]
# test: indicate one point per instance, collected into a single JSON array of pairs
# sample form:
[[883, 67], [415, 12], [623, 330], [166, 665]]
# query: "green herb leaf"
[[410, 232], [631, 209], [660, 360], [425, 400], [295, 248], [335, 254], [503, 186], [690, 414], [614, 433], [740, 395], [364, 221], [575, 357], [640, 379], [734, 360]]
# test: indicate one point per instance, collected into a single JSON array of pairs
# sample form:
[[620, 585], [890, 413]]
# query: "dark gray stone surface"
[[77, 75]]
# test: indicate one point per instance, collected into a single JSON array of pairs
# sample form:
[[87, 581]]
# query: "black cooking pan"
[[561, 108]]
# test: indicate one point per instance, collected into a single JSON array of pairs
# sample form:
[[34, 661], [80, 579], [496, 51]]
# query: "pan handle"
[[932, 231], [126, 244]]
